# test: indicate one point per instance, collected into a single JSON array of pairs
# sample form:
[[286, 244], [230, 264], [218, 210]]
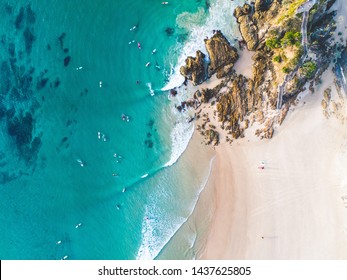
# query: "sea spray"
[[157, 234], [200, 25]]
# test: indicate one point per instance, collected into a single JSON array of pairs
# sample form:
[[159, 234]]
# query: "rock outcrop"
[[222, 55], [194, 70], [248, 27]]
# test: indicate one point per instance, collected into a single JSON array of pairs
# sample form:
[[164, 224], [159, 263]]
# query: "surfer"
[[164, 3], [139, 46], [100, 84], [154, 51], [147, 64], [78, 225], [80, 162], [133, 28]]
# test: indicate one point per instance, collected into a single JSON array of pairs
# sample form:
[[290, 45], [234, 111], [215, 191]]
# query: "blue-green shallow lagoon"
[[55, 116], [72, 75]]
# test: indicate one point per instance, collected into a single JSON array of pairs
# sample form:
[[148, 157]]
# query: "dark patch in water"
[[182, 37], [49, 47], [30, 15], [150, 123], [56, 82], [19, 23], [3, 39], [10, 113], [6, 177], [11, 49], [8, 9], [149, 143], [169, 31], [61, 39], [29, 39], [149, 134], [66, 50], [21, 129], [2, 111], [41, 83], [5, 78], [67, 60]]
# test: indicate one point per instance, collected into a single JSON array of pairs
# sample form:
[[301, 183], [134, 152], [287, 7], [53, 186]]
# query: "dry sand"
[[295, 208]]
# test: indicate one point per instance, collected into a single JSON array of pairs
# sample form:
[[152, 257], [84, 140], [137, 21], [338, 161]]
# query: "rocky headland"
[[292, 43]]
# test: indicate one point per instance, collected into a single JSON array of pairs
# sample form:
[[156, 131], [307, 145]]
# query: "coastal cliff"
[[291, 43]]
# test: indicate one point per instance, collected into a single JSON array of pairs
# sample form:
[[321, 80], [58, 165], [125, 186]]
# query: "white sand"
[[294, 208]]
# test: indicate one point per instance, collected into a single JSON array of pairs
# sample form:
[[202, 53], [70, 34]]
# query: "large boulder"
[[222, 55], [248, 27], [194, 70]]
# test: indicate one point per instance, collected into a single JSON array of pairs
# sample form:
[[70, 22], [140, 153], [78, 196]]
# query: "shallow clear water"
[[54, 118]]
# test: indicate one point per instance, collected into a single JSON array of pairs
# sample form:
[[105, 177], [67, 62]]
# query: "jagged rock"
[[173, 92], [324, 104], [206, 95], [211, 137], [327, 94], [248, 27], [283, 114], [195, 68], [222, 55], [261, 5]]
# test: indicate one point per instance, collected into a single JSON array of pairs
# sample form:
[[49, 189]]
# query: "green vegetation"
[[278, 58], [308, 69], [273, 43], [291, 38], [291, 10], [286, 70]]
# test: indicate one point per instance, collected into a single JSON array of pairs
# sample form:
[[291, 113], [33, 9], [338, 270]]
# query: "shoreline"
[[292, 209]]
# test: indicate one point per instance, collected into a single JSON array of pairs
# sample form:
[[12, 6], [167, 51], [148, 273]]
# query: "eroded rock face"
[[222, 55], [248, 27], [195, 68]]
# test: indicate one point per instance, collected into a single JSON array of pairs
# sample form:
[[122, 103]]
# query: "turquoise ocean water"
[[69, 71]]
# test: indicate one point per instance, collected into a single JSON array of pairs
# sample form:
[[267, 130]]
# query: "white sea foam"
[[200, 26], [148, 246], [151, 91], [156, 234]]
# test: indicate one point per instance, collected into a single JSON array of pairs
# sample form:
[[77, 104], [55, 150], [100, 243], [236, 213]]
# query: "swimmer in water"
[[78, 225], [58, 242], [123, 190], [100, 84], [80, 162], [133, 28]]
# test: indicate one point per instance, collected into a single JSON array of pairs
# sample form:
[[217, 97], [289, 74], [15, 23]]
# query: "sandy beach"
[[294, 208]]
